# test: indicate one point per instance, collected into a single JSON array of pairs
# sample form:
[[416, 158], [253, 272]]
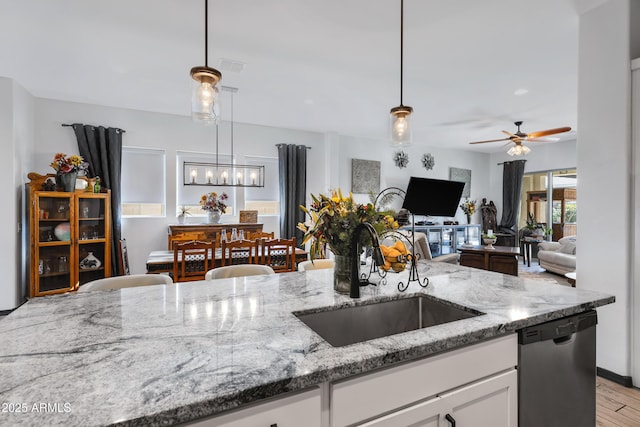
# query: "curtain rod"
[[65, 125], [511, 161], [280, 145]]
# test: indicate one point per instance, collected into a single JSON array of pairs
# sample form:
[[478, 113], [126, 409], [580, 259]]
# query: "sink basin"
[[350, 325]]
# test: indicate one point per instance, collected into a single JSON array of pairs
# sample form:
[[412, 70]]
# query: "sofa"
[[558, 257]]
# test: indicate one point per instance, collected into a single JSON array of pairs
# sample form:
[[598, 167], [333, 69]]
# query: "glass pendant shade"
[[518, 150], [204, 97], [400, 126]]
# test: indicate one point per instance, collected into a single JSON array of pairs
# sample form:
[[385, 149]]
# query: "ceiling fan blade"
[[490, 140], [547, 132], [509, 133]]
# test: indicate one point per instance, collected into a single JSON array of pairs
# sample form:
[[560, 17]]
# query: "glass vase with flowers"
[[469, 208], [332, 222], [214, 204]]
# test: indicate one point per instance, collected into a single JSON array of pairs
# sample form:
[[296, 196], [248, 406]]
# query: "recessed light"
[[521, 91]]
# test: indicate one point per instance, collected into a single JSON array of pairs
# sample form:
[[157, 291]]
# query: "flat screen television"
[[432, 197]]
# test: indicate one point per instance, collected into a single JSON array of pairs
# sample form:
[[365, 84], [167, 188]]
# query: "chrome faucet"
[[355, 259]]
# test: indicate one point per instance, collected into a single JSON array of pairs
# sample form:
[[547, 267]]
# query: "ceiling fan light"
[[204, 96], [518, 150], [400, 126]]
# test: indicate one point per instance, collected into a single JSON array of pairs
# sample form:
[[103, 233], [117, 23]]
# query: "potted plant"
[[67, 169], [183, 212]]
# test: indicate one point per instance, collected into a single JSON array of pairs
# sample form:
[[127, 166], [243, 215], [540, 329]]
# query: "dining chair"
[[192, 260], [316, 264], [279, 254], [238, 270], [188, 236], [130, 281], [123, 260], [259, 235], [239, 252]]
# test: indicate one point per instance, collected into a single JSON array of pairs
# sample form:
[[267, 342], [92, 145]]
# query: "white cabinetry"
[[477, 383], [291, 411], [488, 402]]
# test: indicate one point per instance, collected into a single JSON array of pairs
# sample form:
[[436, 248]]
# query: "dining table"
[[162, 261]]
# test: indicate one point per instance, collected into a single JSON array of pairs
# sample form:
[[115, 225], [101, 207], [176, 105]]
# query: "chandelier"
[[216, 174]]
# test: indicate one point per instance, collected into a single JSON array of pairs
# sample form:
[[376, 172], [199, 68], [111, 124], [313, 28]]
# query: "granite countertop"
[[162, 355]]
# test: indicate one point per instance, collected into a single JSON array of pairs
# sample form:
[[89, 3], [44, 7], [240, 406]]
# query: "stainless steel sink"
[[350, 325]]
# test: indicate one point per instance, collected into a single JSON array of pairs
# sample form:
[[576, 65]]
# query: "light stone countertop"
[[160, 355]]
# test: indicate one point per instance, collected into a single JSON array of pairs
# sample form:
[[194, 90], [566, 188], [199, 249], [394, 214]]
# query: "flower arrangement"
[[468, 207], [214, 202], [334, 219], [68, 164]]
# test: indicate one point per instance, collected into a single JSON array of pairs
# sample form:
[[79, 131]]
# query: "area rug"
[[535, 272]]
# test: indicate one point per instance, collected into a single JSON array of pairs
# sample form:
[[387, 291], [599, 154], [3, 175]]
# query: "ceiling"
[[326, 66]]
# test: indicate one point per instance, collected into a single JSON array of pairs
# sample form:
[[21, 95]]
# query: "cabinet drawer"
[[291, 411], [373, 394]]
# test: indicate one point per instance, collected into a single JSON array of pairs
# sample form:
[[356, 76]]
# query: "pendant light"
[[400, 123], [204, 98]]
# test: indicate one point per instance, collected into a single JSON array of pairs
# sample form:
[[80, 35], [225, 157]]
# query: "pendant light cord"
[[401, 46], [232, 162], [206, 33]]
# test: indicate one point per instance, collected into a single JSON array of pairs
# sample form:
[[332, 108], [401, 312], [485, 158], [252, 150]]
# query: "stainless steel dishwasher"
[[557, 373]]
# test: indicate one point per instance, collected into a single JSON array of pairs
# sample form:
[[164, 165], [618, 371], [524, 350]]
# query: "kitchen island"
[[162, 355]]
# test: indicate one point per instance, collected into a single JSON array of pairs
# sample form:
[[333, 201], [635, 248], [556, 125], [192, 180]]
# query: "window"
[[266, 200], [189, 195], [143, 182]]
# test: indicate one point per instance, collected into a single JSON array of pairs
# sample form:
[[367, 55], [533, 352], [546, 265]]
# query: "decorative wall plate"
[[401, 158], [428, 161]]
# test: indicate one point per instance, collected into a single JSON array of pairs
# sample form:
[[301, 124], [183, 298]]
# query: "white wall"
[[350, 148], [16, 138], [171, 133], [635, 109], [604, 168]]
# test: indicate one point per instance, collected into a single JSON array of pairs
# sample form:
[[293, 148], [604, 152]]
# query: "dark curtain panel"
[[511, 189], [102, 148], [292, 164]]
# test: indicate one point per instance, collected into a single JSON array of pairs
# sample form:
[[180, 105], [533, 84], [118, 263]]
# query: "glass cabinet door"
[[53, 248], [434, 237], [92, 248], [473, 234], [447, 240]]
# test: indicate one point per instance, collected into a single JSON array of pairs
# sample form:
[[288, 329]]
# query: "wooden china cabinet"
[[70, 238]]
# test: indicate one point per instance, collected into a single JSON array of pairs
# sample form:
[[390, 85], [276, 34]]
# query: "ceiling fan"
[[518, 137]]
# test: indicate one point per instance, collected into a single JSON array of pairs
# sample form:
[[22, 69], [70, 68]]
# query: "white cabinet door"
[[387, 390], [292, 411], [492, 402], [425, 414]]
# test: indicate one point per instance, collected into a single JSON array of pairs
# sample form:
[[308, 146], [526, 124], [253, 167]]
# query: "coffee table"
[[571, 278], [502, 259]]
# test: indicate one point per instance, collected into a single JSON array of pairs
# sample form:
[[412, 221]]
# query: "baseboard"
[[616, 378], [5, 312]]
